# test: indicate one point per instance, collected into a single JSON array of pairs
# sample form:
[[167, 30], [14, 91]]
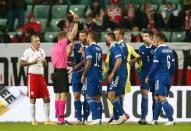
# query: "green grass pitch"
[[6, 126]]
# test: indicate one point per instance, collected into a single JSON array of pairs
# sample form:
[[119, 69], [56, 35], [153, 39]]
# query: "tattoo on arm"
[[87, 67]]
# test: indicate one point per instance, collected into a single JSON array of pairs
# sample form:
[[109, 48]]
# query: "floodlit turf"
[[125, 127]]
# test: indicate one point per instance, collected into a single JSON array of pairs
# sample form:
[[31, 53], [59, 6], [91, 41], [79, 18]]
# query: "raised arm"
[[72, 34]]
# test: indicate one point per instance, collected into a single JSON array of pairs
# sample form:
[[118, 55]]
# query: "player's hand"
[[132, 62], [72, 45], [34, 62], [43, 60], [83, 79], [146, 80], [110, 77], [69, 70], [75, 16]]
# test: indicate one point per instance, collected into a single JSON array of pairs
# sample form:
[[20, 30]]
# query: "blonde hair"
[[61, 35]]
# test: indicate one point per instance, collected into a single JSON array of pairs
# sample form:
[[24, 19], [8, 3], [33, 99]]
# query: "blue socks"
[[167, 108], [99, 109], [144, 106], [78, 109], [94, 108], [117, 106], [158, 107], [86, 110]]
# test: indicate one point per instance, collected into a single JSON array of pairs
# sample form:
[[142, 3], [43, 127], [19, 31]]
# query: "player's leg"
[[62, 106], [61, 86], [32, 94], [99, 106], [86, 110], [158, 108], [93, 94], [77, 102], [144, 106], [43, 91], [47, 111], [33, 110], [144, 100], [164, 92], [119, 92]]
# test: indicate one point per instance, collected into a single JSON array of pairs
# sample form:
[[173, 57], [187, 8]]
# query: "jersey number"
[[168, 61], [98, 58]]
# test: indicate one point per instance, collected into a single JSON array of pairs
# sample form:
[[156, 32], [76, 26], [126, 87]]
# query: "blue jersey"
[[124, 49], [163, 64], [147, 54], [94, 52], [115, 53], [76, 75]]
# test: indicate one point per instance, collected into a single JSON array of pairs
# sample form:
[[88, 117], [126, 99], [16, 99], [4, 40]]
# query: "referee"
[[59, 57]]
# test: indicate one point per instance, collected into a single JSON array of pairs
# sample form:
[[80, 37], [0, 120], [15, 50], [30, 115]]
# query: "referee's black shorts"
[[60, 81]]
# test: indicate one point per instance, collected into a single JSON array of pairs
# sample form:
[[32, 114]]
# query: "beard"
[[107, 43]]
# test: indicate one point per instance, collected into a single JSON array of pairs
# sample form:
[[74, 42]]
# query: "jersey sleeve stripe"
[[117, 56], [155, 60], [88, 56]]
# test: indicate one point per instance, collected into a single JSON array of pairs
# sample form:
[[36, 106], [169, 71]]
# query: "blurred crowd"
[[99, 15]]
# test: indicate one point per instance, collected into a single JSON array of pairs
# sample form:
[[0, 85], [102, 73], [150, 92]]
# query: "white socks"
[[32, 110], [47, 111]]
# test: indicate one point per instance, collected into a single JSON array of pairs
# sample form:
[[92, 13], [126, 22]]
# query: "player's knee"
[[46, 100], [144, 92], [77, 96], [162, 98]]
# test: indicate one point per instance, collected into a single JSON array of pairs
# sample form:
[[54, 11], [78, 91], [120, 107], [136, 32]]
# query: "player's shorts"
[[60, 81], [77, 87], [162, 88], [37, 87], [93, 88], [117, 85], [148, 86]]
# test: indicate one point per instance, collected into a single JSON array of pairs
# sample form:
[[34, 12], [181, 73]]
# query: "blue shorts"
[[93, 88], [77, 87], [117, 86], [162, 88], [148, 86]]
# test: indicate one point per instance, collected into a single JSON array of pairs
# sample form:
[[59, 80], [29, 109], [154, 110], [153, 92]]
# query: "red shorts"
[[37, 87]]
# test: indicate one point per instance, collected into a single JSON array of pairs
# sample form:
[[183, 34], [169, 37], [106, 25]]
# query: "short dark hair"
[[150, 32], [84, 31], [61, 34], [120, 30], [111, 35], [34, 36], [161, 36], [93, 35]]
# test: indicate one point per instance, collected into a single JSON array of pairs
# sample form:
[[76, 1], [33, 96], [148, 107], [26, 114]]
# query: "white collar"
[[33, 49], [113, 44], [120, 41], [148, 46], [93, 43], [82, 45], [162, 45]]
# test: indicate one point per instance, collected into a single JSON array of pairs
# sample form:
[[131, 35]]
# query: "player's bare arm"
[[116, 67], [44, 62], [72, 34], [71, 47], [86, 69], [25, 63]]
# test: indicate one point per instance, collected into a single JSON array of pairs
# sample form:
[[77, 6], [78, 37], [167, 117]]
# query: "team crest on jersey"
[[32, 93]]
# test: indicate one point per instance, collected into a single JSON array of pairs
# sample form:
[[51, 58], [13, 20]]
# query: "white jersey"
[[30, 55]]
